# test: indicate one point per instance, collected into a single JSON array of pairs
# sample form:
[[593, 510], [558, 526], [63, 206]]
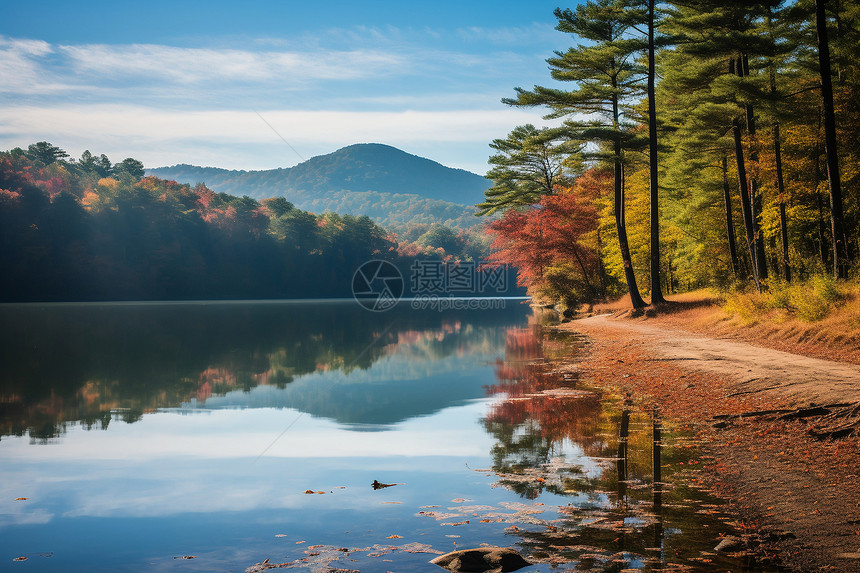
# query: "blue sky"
[[226, 83]]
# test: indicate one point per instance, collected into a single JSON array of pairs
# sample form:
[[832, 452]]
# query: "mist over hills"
[[385, 183]]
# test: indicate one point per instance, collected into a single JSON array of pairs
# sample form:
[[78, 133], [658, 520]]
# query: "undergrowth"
[[811, 300]]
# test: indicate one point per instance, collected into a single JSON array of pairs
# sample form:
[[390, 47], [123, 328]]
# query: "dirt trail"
[[801, 379]]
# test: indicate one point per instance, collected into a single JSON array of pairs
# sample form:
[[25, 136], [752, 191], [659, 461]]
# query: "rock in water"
[[730, 543], [487, 559]]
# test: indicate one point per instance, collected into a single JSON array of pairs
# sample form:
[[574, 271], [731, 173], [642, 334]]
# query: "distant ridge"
[[372, 179]]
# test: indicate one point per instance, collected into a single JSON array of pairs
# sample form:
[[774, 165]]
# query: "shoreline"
[[798, 495]]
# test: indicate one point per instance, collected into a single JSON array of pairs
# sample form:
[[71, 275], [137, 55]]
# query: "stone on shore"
[[483, 559]]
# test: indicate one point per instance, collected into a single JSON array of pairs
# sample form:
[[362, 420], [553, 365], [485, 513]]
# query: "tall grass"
[[810, 300]]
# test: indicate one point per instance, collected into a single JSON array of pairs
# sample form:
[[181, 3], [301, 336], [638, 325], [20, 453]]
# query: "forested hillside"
[[90, 229], [703, 144], [390, 186]]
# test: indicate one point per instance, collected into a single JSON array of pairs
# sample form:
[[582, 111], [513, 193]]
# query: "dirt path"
[[803, 380], [800, 496]]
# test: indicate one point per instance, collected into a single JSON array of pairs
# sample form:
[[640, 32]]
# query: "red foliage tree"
[[551, 233]]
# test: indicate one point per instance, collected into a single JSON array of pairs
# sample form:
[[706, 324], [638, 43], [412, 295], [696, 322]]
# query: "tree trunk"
[[783, 227], [620, 223], [745, 202], [730, 223], [823, 250], [621, 226], [755, 196], [840, 244], [600, 267], [780, 186], [822, 231], [656, 293]]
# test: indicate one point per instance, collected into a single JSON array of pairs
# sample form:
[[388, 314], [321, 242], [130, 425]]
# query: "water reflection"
[[236, 411], [91, 364], [629, 498]]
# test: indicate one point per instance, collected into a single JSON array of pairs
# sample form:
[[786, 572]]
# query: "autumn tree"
[[607, 80], [549, 244]]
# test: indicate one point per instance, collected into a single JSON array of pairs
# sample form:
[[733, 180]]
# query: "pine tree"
[[840, 242], [607, 82], [530, 163]]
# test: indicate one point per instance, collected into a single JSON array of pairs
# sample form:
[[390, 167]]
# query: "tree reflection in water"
[[625, 497]]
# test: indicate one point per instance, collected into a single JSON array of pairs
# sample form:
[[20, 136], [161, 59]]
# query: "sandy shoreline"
[[801, 495]]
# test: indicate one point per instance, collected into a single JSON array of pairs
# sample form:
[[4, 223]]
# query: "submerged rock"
[[489, 559]]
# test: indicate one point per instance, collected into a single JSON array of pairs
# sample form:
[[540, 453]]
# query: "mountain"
[[387, 184]]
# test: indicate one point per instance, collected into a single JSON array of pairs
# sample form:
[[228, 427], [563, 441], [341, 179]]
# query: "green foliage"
[[439, 236], [723, 66], [131, 166], [45, 153], [564, 285], [530, 163]]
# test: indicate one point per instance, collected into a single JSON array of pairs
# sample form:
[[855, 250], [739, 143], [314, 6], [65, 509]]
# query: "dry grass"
[[809, 319]]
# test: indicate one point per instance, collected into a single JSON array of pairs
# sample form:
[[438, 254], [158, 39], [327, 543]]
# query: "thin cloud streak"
[[193, 65]]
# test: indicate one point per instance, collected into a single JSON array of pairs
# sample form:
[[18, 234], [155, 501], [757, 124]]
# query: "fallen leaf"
[[280, 535], [312, 491], [300, 542], [394, 537], [21, 498], [379, 485]]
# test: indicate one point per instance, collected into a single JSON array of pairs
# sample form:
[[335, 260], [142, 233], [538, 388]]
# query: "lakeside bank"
[[797, 495]]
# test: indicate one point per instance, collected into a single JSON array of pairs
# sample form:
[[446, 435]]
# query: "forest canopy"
[[90, 229], [711, 143]]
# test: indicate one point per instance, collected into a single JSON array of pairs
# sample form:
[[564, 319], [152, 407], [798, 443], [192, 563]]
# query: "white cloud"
[[431, 92], [511, 36], [192, 65], [21, 66], [241, 139]]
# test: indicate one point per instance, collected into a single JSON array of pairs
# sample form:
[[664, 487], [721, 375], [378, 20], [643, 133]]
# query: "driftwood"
[[839, 424], [834, 420]]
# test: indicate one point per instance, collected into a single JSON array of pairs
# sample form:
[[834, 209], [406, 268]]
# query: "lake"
[[214, 436]]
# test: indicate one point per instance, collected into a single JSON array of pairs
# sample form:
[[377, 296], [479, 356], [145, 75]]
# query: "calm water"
[[210, 437]]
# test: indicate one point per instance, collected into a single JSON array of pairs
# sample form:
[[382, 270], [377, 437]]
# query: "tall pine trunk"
[[730, 223], [656, 293], [755, 196], [745, 202], [620, 219], [837, 221], [621, 227], [780, 186]]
